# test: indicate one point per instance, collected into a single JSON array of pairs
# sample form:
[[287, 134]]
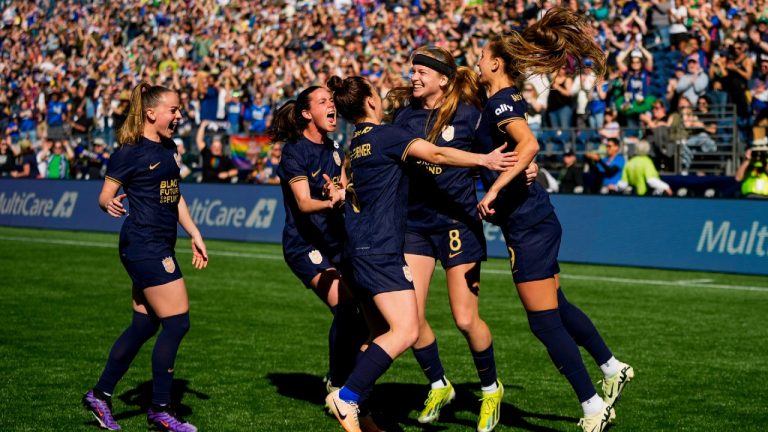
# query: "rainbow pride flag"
[[244, 148]]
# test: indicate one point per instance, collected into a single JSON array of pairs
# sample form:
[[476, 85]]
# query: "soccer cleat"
[[345, 412], [490, 409], [168, 421], [599, 421], [101, 409], [368, 425], [613, 386], [436, 400]]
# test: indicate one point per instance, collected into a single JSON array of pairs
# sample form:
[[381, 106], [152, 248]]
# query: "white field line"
[[690, 283]]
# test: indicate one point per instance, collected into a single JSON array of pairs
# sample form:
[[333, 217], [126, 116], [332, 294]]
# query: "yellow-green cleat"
[[436, 400], [599, 421], [613, 386], [490, 409]]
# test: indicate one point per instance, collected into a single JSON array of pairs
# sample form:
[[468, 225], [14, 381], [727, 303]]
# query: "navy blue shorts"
[[376, 274], [309, 263], [152, 272], [459, 245], [533, 250]]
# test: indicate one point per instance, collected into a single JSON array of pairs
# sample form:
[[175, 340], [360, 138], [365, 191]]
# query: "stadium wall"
[[691, 234]]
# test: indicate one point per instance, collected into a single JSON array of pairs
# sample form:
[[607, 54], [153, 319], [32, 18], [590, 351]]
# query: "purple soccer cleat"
[[101, 409], [167, 421]]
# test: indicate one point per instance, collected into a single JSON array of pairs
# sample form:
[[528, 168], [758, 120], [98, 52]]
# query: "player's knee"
[[466, 322], [544, 322], [178, 325]]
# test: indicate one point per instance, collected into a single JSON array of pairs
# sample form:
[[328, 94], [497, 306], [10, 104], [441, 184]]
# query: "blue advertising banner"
[[691, 234]]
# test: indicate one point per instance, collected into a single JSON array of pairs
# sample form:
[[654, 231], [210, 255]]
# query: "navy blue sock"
[[485, 364], [371, 366], [547, 326], [582, 330], [164, 356], [333, 375], [429, 360], [351, 332], [125, 349]]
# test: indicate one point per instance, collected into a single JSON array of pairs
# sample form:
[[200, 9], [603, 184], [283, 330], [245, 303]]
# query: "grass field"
[[256, 353]]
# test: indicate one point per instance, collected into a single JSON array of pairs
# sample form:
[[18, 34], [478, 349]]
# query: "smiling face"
[[166, 115], [427, 83], [322, 111]]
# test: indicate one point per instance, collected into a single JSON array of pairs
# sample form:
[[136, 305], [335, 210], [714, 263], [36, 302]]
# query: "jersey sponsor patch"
[[337, 158], [169, 265], [315, 257], [504, 108], [448, 133], [407, 273]]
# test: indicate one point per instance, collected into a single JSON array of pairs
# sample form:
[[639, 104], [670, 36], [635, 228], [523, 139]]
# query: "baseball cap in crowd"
[[99, 142], [569, 152], [637, 54]]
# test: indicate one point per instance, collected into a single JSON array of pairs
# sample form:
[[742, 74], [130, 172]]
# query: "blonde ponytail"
[[143, 96]]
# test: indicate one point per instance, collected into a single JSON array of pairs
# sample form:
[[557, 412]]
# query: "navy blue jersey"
[[307, 160], [376, 209], [440, 195], [148, 171], [524, 205]]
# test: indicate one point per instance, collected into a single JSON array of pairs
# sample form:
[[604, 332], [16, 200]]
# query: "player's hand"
[[530, 173], [497, 160], [485, 205], [115, 206], [199, 253], [335, 194]]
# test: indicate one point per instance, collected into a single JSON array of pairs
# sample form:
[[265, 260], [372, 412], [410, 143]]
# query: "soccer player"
[[314, 227], [375, 221], [524, 213], [146, 166], [442, 106]]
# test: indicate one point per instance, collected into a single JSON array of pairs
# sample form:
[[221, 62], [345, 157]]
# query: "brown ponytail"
[[143, 96], [349, 96], [288, 124], [547, 46]]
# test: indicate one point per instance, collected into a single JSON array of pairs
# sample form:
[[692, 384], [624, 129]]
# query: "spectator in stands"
[[738, 72], [267, 168], [656, 124], [637, 80], [535, 108], [608, 169], [56, 118], [80, 126], [59, 160], [753, 173], [611, 128], [217, 167], [571, 175], [258, 115], [560, 100], [7, 157], [678, 17], [640, 174], [695, 82], [26, 162]]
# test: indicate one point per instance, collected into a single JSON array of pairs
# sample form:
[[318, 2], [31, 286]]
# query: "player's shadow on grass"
[[395, 405], [140, 398]]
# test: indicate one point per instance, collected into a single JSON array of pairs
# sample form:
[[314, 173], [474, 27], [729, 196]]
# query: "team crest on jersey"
[[448, 132], [407, 273], [169, 265], [337, 158], [177, 157], [316, 257]]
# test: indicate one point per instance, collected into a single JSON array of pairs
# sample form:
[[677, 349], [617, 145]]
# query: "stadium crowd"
[[686, 82]]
